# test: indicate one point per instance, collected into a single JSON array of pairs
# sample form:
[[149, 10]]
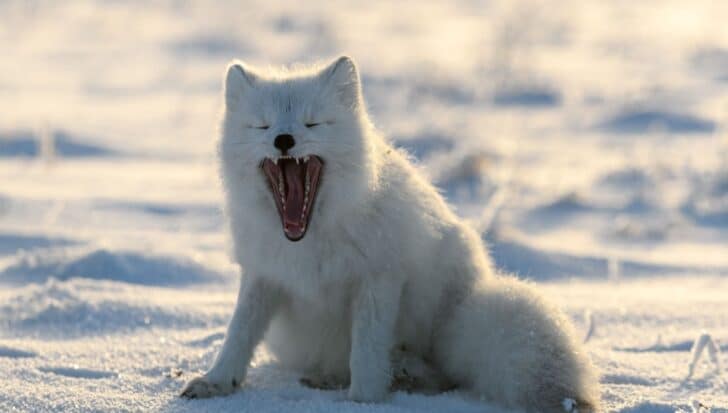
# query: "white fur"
[[385, 262]]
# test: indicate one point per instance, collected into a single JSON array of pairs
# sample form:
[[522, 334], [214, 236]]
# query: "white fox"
[[356, 271]]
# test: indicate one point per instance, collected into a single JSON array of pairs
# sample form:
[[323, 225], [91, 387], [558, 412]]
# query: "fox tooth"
[[305, 158], [297, 161]]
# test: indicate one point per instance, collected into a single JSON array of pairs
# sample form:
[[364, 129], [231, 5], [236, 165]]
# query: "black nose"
[[284, 142]]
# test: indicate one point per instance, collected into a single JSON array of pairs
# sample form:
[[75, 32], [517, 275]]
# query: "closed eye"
[[312, 124], [262, 127]]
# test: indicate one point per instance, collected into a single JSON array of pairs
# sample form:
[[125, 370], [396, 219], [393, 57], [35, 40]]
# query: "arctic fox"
[[356, 271]]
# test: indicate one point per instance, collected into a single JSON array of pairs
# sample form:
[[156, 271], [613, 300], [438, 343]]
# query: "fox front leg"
[[256, 305], [374, 316]]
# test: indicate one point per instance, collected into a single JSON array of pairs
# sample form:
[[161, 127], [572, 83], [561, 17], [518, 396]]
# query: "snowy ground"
[[598, 127]]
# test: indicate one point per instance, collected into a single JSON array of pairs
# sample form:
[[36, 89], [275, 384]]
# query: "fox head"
[[296, 144]]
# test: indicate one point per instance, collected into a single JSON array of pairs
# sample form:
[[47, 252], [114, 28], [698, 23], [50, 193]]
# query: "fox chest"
[[310, 269]]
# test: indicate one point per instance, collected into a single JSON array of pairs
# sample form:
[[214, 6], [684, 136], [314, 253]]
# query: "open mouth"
[[294, 182]]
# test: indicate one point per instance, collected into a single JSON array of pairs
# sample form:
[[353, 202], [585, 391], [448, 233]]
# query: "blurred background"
[[586, 139]]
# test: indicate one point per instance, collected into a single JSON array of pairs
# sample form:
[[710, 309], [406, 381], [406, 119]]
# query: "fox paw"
[[202, 388]]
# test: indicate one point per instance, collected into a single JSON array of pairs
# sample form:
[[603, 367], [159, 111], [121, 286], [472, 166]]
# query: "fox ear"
[[342, 77], [238, 81]]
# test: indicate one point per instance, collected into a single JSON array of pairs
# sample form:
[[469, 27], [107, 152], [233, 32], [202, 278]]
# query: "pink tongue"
[[293, 173]]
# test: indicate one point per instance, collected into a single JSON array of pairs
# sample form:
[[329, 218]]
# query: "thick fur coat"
[[388, 289]]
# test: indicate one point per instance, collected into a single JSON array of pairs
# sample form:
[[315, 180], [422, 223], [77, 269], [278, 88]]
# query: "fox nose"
[[284, 142]]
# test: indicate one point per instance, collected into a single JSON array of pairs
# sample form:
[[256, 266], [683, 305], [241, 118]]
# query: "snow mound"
[[467, 178], [648, 228], [11, 352], [557, 210], [527, 96], [5, 203], [531, 263], [708, 204], [161, 209], [87, 307], [627, 178], [102, 264], [712, 61], [26, 144], [423, 145], [205, 45], [440, 89], [13, 243], [646, 121]]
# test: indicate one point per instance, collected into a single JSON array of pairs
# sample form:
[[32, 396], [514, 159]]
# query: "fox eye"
[[263, 127], [311, 125]]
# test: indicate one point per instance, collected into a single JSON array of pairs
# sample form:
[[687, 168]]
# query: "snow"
[[701, 343], [129, 267], [588, 139]]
